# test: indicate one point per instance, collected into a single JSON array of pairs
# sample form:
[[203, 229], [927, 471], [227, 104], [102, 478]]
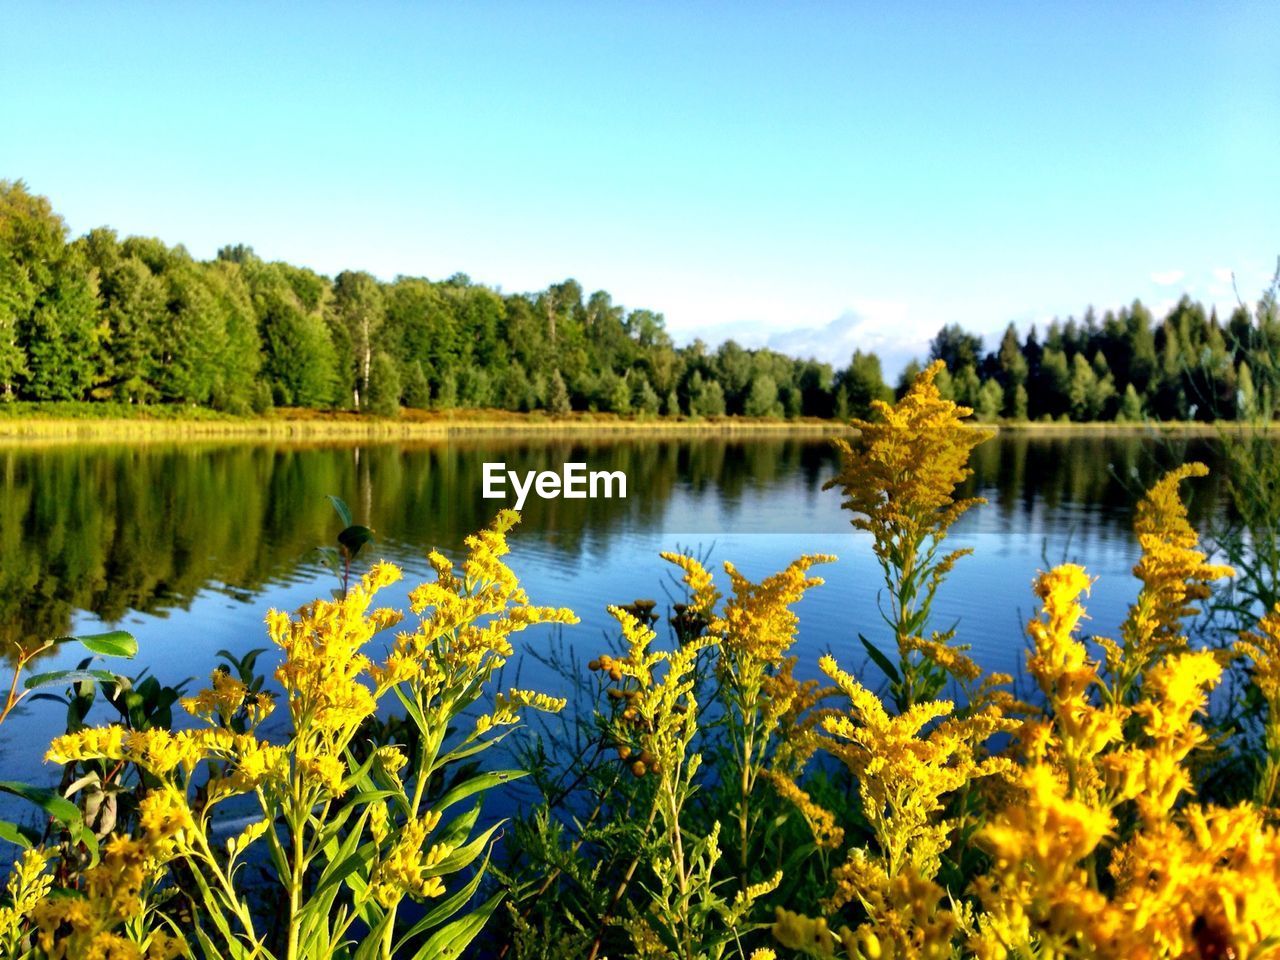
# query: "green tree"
[[945, 385], [359, 311], [1083, 387], [1020, 408], [957, 347], [61, 333], [990, 400], [1246, 395], [862, 382], [446, 392], [133, 311], [966, 386], [762, 400], [32, 242], [1130, 406], [1013, 368], [383, 394], [516, 390], [415, 388], [706, 397], [558, 396], [619, 395], [298, 355], [644, 399], [671, 407], [49, 325], [236, 379]]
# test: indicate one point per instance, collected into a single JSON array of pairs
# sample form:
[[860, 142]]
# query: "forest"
[[135, 323]]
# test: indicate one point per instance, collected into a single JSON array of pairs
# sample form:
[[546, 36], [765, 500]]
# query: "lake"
[[188, 546]]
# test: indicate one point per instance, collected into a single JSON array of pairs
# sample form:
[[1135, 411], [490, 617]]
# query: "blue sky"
[[817, 176]]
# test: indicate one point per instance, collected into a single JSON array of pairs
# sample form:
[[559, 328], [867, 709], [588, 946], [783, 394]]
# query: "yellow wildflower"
[[899, 479], [1263, 648], [28, 884], [1066, 675], [827, 834], [221, 701], [1174, 574], [158, 751], [322, 770], [811, 935], [403, 870], [903, 775], [901, 476]]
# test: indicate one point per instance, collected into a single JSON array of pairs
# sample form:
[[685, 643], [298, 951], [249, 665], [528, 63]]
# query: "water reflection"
[[108, 529]]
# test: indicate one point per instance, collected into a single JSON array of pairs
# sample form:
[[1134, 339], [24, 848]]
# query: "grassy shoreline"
[[413, 425], [92, 422]]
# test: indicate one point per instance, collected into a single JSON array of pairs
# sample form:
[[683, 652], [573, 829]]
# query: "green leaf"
[[445, 909], [456, 833], [59, 808], [54, 804], [475, 785], [344, 512], [24, 837], [881, 661], [117, 643], [411, 707], [449, 942], [463, 856], [353, 538], [60, 678]]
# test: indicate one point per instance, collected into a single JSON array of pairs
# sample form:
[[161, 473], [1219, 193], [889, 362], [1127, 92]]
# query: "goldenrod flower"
[[1174, 574], [221, 701], [899, 479], [29, 882], [403, 871], [821, 822]]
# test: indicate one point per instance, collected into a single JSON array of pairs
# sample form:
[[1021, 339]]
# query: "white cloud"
[[1167, 278], [888, 328], [1223, 274], [893, 330]]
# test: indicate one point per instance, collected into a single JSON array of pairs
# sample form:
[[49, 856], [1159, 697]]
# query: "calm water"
[[188, 547]]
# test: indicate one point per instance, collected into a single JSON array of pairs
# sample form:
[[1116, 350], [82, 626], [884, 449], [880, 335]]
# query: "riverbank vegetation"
[[136, 324], [706, 795]]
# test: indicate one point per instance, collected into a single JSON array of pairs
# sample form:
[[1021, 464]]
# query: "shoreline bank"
[[421, 426]]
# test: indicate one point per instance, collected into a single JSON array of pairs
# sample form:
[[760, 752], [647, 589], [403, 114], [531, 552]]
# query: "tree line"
[[135, 321]]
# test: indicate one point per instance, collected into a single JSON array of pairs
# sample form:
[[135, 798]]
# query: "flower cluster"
[[1174, 574], [329, 820], [899, 479], [900, 476]]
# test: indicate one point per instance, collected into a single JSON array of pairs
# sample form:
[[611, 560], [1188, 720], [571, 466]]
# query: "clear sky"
[[817, 176]]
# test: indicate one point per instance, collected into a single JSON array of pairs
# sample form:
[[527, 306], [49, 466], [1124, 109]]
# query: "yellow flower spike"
[[910, 460], [1174, 575], [904, 775], [899, 480], [220, 701], [28, 884], [827, 834], [702, 590], [158, 751], [330, 687], [757, 625], [1263, 649], [164, 817], [323, 771]]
